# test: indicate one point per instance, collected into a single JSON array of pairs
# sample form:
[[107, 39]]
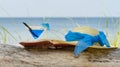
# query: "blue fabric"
[[85, 40], [103, 40], [46, 25]]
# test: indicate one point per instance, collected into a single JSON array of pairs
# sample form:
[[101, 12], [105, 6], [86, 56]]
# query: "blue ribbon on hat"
[[85, 40]]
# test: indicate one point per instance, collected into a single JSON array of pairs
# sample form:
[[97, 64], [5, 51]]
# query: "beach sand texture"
[[15, 56]]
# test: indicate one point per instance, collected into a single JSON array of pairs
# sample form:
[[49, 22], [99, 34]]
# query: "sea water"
[[58, 26]]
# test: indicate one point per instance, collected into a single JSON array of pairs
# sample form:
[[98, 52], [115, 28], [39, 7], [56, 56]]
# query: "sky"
[[59, 8]]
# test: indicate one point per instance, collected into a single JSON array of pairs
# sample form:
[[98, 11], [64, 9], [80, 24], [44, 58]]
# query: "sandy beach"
[[16, 56]]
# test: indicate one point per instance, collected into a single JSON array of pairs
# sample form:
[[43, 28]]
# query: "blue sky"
[[59, 8]]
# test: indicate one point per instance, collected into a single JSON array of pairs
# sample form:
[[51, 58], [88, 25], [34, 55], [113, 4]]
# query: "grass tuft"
[[3, 33]]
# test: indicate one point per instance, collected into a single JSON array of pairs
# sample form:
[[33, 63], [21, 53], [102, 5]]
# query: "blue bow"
[[85, 40]]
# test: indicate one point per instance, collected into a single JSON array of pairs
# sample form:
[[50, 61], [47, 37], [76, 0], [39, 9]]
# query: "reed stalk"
[[107, 27], [5, 33], [4, 37]]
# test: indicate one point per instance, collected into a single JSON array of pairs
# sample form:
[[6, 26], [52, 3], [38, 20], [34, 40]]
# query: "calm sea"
[[58, 25]]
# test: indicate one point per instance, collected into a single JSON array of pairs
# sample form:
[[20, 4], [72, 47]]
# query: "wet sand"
[[15, 56]]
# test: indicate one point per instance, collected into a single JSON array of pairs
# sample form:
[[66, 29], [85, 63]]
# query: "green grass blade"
[[4, 38], [8, 32]]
